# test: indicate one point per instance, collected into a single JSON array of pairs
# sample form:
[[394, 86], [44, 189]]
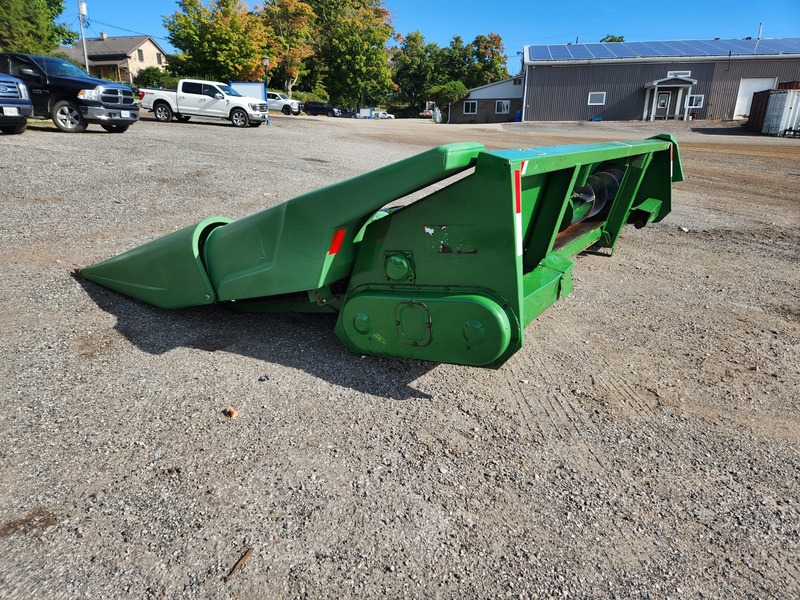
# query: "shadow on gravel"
[[300, 341], [739, 130]]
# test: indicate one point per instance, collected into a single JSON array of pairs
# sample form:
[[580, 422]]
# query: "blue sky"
[[519, 23]]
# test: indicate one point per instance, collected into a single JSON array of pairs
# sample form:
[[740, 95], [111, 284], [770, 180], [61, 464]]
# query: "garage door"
[[748, 87]]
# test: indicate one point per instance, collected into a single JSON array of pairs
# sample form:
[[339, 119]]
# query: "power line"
[[134, 32]]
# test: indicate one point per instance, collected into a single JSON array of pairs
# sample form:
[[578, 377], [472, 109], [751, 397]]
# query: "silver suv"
[[279, 102]]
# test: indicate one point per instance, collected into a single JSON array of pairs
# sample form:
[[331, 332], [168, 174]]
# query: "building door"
[[662, 104], [748, 87]]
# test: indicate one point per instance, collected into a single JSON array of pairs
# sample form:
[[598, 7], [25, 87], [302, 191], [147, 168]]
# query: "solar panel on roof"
[[580, 51], [599, 50], [538, 53], [564, 52], [560, 52], [689, 48], [620, 50]]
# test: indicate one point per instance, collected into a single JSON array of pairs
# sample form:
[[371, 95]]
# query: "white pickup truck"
[[204, 99]]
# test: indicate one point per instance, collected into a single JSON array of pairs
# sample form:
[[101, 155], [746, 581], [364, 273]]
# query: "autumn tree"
[[490, 61], [31, 27], [292, 26], [222, 40]]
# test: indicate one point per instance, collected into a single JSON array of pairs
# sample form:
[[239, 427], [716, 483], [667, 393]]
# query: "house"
[[496, 102], [628, 81], [118, 58]]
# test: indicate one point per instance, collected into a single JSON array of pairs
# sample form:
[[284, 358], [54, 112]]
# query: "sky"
[[518, 23]]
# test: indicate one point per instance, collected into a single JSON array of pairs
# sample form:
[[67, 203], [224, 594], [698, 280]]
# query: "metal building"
[[631, 81]]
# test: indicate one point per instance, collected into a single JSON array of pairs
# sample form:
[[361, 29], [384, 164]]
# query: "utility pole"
[[82, 18]]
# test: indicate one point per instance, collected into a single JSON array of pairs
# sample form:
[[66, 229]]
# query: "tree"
[[292, 25], [30, 26], [222, 40], [613, 38], [351, 62], [455, 61], [449, 93], [414, 69], [489, 61]]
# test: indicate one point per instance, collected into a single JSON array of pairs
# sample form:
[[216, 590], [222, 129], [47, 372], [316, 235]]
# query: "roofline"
[[658, 59], [480, 87]]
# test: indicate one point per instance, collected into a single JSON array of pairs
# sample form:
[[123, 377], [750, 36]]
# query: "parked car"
[[320, 108], [195, 97], [69, 96], [347, 114], [426, 114], [280, 103], [15, 105], [385, 115]]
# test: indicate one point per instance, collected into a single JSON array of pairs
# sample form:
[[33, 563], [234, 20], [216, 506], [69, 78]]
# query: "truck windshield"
[[56, 66], [229, 90]]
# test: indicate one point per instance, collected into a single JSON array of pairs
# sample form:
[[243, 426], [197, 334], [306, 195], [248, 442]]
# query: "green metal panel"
[[166, 272], [288, 248]]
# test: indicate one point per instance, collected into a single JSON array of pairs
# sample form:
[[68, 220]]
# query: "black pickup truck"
[[64, 93]]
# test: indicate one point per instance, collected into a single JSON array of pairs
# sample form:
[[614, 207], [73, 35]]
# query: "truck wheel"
[[114, 128], [239, 118], [286, 110], [331, 113], [162, 112], [67, 117], [16, 128]]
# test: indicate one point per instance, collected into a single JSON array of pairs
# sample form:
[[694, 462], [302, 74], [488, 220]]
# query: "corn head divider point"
[[452, 277]]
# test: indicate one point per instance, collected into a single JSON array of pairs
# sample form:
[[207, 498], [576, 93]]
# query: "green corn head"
[[454, 276]]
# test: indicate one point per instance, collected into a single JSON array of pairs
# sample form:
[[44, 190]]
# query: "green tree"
[[455, 61], [222, 40], [414, 69], [613, 38], [351, 62], [448, 93], [292, 25], [150, 77], [30, 26]]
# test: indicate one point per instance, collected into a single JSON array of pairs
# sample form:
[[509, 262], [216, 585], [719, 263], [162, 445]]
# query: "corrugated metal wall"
[[728, 76], [560, 93]]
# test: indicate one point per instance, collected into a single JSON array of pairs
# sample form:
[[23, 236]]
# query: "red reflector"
[[336, 242], [518, 190]]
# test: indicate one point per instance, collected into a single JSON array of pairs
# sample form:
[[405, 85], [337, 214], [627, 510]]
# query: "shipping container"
[[783, 113]]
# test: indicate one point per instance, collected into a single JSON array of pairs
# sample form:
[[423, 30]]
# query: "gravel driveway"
[[644, 442]]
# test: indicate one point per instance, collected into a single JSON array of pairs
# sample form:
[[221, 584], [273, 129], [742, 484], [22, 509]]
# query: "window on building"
[[679, 73], [518, 81], [501, 107], [597, 98], [158, 58], [695, 101], [140, 52], [471, 107]]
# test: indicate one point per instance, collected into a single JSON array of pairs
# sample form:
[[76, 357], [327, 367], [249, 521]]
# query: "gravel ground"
[[643, 443]]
